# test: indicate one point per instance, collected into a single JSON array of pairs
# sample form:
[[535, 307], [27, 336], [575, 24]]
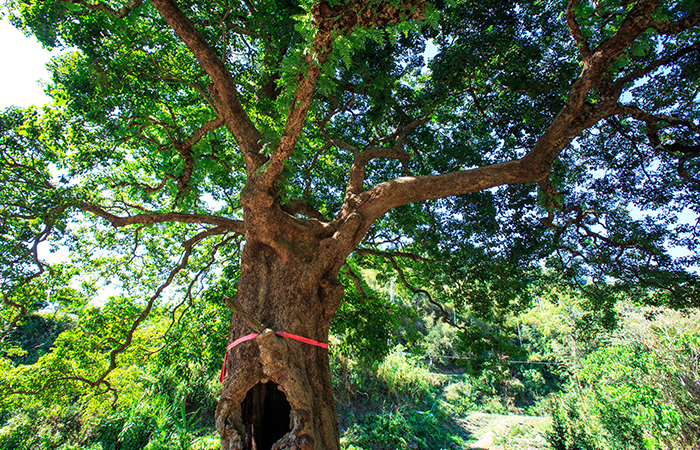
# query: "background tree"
[[262, 144]]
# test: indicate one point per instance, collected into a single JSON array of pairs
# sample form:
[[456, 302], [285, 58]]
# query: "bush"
[[568, 430], [618, 406], [41, 429], [403, 374], [402, 428]]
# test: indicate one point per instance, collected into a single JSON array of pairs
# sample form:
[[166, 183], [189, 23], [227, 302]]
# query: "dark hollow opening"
[[265, 415]]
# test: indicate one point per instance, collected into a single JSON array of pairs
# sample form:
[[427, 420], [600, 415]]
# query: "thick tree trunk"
[[277, 391]]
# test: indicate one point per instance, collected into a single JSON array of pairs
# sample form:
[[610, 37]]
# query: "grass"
[[402, 404]]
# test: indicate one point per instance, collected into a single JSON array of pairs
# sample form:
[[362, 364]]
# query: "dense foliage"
[[632, 387]]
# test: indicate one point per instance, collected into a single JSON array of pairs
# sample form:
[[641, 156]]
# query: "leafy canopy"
[[544, 137]]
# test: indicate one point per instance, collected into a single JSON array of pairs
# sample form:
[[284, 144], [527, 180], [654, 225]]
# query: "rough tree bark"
[[277, 392]]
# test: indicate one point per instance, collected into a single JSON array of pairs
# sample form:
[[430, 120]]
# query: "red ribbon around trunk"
[[249, 337]]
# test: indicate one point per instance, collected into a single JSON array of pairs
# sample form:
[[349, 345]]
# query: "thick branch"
[[119, 14], [374, 202], [303, 95], [635, 23], [330, 22], [560, 132], [235, 226], [678, 26], [575, 30], [357, 172], [223, 90], [575, 116]]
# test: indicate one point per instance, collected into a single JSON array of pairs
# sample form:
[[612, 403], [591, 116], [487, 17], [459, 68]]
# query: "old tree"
[[274, 148]]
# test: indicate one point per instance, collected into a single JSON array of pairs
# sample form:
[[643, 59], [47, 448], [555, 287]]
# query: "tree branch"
[[357, 171], [415, 291], [376, 201], [356, 280], [236, 226], [185, 149], [250, 320], [678, 26], [188, 295], [188, 245], [299, 206], [330, 22], [122, 346], [307, 172], [653, 119], [575, 116], [119, 14], [223, 90], [575, 30], [639, 73], [47, 384]]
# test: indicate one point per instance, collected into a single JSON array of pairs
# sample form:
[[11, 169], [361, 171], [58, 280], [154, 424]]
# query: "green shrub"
[[618, 406], [40, 428], [403, 374], [458, 396], [568, 430], [401, 429]]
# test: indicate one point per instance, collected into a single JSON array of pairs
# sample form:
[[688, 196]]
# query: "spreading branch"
[[330, 22], [122, 346], [117, 13], [684, 153], [575, 116], [414, 290], [619, 85], [223, 89], [118, 221], [357, 171], [678, 26], [576, 216], [575, 31]]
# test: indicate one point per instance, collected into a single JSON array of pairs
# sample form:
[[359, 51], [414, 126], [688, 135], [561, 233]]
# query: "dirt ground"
[[506, 432]]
